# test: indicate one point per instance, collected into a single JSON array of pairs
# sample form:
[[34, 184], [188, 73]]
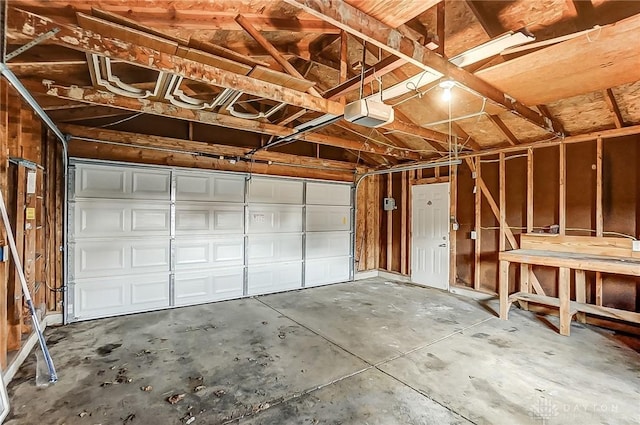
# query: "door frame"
[[448, 278]]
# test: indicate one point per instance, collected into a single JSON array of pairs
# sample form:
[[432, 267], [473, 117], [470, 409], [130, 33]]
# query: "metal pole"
[[53, 377]]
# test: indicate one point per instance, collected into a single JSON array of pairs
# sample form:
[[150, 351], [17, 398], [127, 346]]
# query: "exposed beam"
[[511, 138], [275, 54], [96, 97], [321, 43], [440, 146], [87, 41], [206, 16], [489, 23], [87, 113], [350, 19], [377, 70], [610, 99], [149, 155], [200, 147], [440, 11], [544, 110]]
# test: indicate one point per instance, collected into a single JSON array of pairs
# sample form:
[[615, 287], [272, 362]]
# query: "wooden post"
[[15, 288], [581, 293], [404, 230], [562, 213], [453, 200], [599, 215], [29, 226], [526, 270], [565, 301], [344, 60], [477, 250], [4, 158], [503, 289], [503, 202], [389, 215]]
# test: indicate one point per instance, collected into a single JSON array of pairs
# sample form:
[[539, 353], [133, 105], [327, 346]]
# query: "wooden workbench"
[[579, 253]]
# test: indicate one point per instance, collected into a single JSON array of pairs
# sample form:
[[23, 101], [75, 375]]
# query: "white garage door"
[[146, 238]]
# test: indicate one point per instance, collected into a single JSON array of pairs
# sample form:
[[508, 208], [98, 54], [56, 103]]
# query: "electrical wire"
[[506, 158], [570, 229], [383, 143], [120, 121]]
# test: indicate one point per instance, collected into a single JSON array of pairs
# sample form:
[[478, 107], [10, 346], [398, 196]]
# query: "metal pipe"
[[422, 166], [15, 82]]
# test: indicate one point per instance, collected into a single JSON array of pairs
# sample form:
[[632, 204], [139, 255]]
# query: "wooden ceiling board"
[[523, 130], [628, 99], [573, 67], [393, 13], [583, 113], [482, 130]]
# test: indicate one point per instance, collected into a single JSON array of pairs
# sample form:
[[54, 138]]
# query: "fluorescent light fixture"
[[471, 56]]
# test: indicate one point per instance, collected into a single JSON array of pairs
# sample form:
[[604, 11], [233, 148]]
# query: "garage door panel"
[[208, 285], [328, 194], [207, 253], [150, 220], [274, 219], [104, 297], [209, 219], [98, 181], [95, 258], [274, 277], [327, 270], [327, 244], [208, 187], [328, 218], [150, 185], [107, 218], [275, 191], [274, 248]]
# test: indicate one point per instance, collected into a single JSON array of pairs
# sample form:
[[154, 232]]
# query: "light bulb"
[[446, 86], [446, 95]]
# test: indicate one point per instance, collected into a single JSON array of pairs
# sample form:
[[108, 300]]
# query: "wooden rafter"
[[610, 99], [372, 73], [489, 23], [350, 19], [87, 41], [544, 110], [210, 16], [97, 97], [87, 113], [511, 138], [265, 44]]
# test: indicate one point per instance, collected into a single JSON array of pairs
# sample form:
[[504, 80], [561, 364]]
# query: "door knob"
[[443, 245]]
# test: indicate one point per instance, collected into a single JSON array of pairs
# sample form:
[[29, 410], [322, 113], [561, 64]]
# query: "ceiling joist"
[[87, 41], [96, 97]]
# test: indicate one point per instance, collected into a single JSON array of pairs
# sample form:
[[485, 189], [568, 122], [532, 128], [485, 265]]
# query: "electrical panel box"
[[31, 182], [474, 235], [635, 246], [389, 204]]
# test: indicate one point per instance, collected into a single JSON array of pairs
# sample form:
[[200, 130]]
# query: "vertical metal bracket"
[[39, 39]]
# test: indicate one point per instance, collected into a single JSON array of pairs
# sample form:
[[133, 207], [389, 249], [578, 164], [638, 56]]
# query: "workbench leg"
[[581, 294], [564, 294], [524, 284], [503, 284]]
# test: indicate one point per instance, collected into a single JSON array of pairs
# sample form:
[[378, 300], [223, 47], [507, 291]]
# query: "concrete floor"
[[371, 352]]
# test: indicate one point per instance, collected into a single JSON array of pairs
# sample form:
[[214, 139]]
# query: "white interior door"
[[430, 235]]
